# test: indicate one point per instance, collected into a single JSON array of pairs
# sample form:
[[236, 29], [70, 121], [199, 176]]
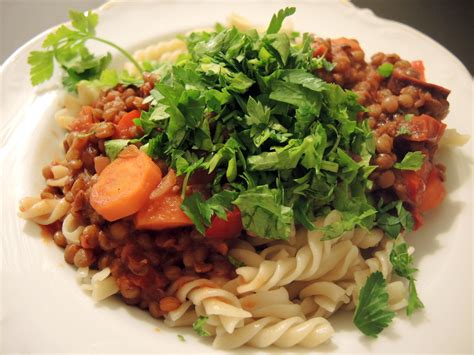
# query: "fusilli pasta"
[[285, 333], [43, 211]]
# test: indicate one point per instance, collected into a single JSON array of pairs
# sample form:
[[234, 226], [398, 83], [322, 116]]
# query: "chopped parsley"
[[372, 314], [404, 130], [393, 218], [411, 161], [113, 147], [408, 117], [235, 262], [181, 338], [385, 69], [198, 326], [403, 265]]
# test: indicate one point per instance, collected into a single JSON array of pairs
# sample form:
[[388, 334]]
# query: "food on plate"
[[246, 183]]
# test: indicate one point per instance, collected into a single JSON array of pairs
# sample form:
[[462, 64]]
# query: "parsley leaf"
[[235, 262], [372, 314], [403, 130], [181, 338], [200, 211], [263, 214], [385, 69], [411, 161], [198, 326], [402, 264], [84, 23], [113, 147], [408, 117], [278, 18], [393, 218], [42, 66]]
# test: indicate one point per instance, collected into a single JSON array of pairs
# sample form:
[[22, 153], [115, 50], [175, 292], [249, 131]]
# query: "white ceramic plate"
[[44, 310]]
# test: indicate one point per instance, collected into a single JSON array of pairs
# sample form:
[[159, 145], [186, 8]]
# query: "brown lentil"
[[69, 253]]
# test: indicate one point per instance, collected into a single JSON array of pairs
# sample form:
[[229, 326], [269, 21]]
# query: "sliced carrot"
[[125, 184], [163, 213]]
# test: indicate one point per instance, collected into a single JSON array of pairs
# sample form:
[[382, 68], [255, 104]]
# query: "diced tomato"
[[424, 128], [126, 129], [420, 68], [163, 213], [434, 193], [418, 218], [414, 184], [221, 229], [320, 50]]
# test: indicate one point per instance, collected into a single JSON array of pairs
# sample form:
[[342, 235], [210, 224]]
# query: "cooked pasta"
[[72, 229], [274, 331], [275, 303], [60, 176], [43, 211], [101, 284], [221, 306]]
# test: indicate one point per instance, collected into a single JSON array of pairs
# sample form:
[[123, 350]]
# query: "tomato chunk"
[[424, 128], [125, 128], [163, 213], [434, 193], [420, 68], [222, 229]]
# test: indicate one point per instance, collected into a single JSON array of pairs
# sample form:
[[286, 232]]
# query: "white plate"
[[44, 310]]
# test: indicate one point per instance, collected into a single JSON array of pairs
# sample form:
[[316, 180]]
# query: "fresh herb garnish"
[[411, 161], [67, 47], [393, 218], [113, 147], [403, 265], [198, 326], [402, 130], [181, 338], [200, 211], [385, 69], [372, 314], [408, 117], [235, 262]]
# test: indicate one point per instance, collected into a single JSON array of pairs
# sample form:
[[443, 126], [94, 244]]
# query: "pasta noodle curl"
[[221, 306], [274, 331], [43, 211]]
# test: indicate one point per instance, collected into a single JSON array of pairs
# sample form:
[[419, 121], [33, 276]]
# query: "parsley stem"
[[121, 50]]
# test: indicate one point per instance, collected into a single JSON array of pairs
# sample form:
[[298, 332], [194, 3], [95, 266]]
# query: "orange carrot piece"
[[163, 213], [125, 184]]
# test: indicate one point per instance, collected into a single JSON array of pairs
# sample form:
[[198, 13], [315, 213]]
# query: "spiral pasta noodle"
[[43, 211], [221, 306], [72, 229], [275, 303], [285, 333], [60, 176], [313, 260]]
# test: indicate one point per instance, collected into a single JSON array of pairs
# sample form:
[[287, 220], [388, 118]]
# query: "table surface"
[[447, 21]]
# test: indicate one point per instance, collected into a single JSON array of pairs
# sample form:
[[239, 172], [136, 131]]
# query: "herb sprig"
[[67, 47], [402, 263], [372, 314]]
